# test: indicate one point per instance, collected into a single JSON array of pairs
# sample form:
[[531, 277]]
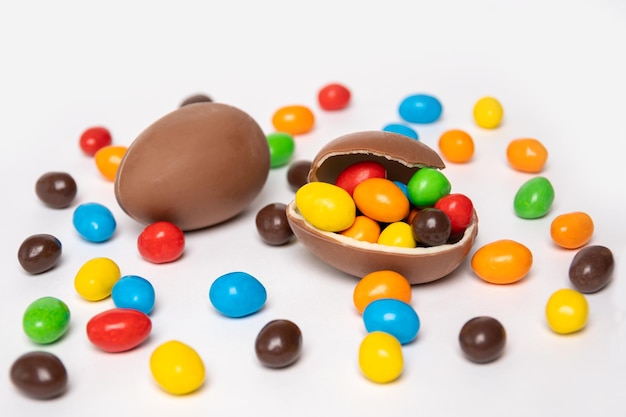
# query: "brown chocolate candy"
[[195, 167], [196, 98], [591, 269], [39, 375], [431, 227], [56, 189], [278, 344], [482, 339], [272, 224], [39, 253], [298, 174]]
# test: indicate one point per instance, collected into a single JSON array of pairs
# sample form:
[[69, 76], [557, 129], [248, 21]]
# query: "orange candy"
[[572, 230], [502, 262], [456, 146], [294, 119], [527, 155], [108, 160], [364, 229], [381, 200], [381, 284]]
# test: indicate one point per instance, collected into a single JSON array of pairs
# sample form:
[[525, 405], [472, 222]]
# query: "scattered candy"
[[161, 242], [456, 146], [381, 284], [364, 229], [39, 375], [567, 311], [94, 222], [108, 160], [272, 225], [298, 174], [591, 269], [392, 316], [527, 155], [398, 234], [334, 96], [381, 200], [420, 108], [401, 129], [488, 113], [482, 339], [431, 227], [294, 120], [380, 357], [326, 206], [237, 294], [278, 344], [56, 189], [39, 253], [502, 262], [572, 230], [427, 186], [46, 320], [196, 98], [132, 291], [534, 198], [282, 147], [118, 329], [177, 368], [94, 280], [93, 139]]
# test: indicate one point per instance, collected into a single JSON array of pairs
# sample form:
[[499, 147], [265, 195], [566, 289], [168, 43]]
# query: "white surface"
[[556, 66]]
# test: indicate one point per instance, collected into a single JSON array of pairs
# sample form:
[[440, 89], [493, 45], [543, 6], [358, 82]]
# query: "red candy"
[[334, 97], [94, 139], [459, 209], [352, 176], [118, 329], [161, 242]]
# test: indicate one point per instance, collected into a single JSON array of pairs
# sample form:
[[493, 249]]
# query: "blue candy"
[[94, 222], [403, 187], [401, 129], [135, 292], [392, 316], [420, 108], [237, 294]]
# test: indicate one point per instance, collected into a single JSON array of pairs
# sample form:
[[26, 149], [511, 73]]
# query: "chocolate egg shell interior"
[[401, 156]]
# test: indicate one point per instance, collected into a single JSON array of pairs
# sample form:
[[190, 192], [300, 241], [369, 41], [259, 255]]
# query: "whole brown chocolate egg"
[[197, 166], [402, 157]]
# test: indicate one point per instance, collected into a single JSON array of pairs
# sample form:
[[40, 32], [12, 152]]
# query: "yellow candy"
[[397, 234], [380, 357], [326, 206], [177, 368], [95, 279], [488, 112], [567, 311]]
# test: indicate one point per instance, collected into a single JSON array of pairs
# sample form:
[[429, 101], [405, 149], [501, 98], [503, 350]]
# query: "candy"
[[591, 269], [527, 155], [456, 146], [93, 139], [56, 189], [108, 160], [278, 344], [398, 234], [364, 229], [381, 200], [282, 147], [401, 129], [572, 230], [488, 112], [196, 98], [94, 222], [420, 108], [237, 294], [39, 253], [132, 291], [482, 339], [459, 209], [39, 375], [427, 186], [326, 206], [177, 368], [358, 172], [294, 120], [272, 225], [431, 227], [94, 280], [161, 242], [381, 284], [46, 320], [567, 311], [392, 316], [334, 96], [502, 261], [298, 174], [534, 198], [118, 329], [380, 357]]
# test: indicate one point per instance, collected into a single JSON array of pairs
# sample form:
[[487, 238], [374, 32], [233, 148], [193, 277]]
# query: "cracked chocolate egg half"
[[197, 166], [402, 157]]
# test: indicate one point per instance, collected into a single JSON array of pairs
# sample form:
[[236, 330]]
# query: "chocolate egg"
[[197, 166], [402, 157]]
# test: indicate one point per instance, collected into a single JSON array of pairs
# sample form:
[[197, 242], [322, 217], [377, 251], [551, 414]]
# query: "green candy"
[[534, 198], [281, 147], [46, 320], [427, 186]]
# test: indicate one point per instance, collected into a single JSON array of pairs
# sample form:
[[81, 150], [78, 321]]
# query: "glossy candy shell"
[[237, 294], [392, 316], [118, 329], [39, 375]]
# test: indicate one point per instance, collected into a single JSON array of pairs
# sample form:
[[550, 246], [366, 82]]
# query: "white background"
[[557, 67]]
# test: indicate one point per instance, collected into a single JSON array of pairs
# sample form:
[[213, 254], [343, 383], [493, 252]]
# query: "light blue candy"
[[403, 187], [237, 294], [135, 292], [401, 129], [392, 316], [420, 108], [94, 222]]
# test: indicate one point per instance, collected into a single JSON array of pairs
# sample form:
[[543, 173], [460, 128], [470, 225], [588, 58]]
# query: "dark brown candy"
[[39, 253], [56, 189], [298, 174], [39, 375], [272, 224], [591, 269], [431, 227], [279, 344], [482, 339], [196, 98]]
